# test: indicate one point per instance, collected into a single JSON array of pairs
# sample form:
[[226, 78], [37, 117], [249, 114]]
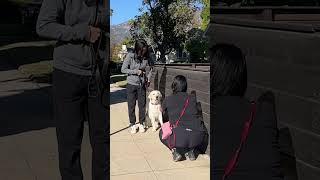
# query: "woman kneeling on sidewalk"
[[188, 132]]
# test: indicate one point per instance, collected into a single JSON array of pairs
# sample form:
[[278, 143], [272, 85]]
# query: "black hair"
[[141, 49], [179, 84], [228, 70]]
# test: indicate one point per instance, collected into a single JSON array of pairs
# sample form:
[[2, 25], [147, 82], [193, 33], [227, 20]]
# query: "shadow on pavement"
[[119, 130], [17, 56], [288, 160], [25, 111], [118, 96]]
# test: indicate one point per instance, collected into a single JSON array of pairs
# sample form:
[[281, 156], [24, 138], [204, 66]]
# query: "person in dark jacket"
[[191, 131], [259, 157], [78, 27], [135, 65]]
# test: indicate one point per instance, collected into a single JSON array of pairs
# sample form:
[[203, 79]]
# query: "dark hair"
[[228, 70], [141, 49], [179, 84]]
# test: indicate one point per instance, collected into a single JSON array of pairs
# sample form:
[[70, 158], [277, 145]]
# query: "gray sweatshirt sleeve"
[[125, 66], [49, 23]]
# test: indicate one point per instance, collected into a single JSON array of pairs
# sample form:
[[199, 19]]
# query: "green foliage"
[[128, 41], [196, 45], [205, 14], [164, 23], [115, 49]]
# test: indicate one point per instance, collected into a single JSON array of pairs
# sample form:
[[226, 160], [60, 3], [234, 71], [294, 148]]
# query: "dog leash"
[[98, 63]]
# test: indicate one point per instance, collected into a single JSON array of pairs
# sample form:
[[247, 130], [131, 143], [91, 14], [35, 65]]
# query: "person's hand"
[[93, 34]]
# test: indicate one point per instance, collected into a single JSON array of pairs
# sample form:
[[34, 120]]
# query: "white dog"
[[154, 111]]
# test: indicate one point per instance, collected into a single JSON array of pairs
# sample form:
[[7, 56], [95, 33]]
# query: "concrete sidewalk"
[[142, 155], [28, 145]]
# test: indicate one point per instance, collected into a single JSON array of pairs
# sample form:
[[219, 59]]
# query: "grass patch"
[[40, 71], [117, 78], [122, 84], [29, 44]]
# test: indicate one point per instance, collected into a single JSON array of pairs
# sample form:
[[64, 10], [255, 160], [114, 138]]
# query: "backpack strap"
[[177, 123], [233, 161], [183, 111]]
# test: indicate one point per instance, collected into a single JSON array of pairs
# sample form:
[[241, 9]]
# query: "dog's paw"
[[154, 129]]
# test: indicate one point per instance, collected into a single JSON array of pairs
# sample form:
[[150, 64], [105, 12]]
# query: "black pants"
[[133, 93], [186, 141], [72, 106]]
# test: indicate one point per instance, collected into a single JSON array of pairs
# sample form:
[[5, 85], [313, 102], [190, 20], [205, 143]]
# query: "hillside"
[[119, 32]]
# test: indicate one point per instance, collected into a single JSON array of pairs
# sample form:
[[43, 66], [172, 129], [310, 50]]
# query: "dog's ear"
[[149, 96]]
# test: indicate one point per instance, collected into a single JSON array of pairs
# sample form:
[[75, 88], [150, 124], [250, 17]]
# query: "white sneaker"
[[133, 129], [141, 128]]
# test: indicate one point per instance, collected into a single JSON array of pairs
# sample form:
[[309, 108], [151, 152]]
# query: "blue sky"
[[124, 10]]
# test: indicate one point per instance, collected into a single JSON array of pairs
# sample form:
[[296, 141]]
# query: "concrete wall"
[[287, 63]]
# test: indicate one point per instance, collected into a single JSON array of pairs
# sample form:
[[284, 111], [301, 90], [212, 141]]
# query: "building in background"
[[123, 52]]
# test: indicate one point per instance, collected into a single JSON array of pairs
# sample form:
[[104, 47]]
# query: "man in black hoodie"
[[78, 28]]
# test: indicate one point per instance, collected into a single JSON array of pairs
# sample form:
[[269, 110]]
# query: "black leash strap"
[[98, 82]]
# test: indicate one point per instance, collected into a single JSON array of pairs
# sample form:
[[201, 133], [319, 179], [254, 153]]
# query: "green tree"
[[164, 23], [128, 41], [115, 49], [196, 45], [205, 14]]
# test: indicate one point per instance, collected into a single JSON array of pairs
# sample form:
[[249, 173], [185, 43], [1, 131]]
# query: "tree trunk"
[[162, 55]]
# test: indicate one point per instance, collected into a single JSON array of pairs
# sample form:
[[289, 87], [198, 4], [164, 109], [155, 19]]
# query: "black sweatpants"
[[184, 140], [135, 93], [72, 106]]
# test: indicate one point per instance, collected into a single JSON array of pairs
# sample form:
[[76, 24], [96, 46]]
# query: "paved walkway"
[[141, 156]]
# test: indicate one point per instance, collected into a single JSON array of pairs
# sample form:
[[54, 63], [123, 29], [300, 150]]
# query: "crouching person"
[[188, 130]]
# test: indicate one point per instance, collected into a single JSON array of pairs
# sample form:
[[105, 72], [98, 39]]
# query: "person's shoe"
[[175, 155], [141, 128], [133, 129], [190, 155]]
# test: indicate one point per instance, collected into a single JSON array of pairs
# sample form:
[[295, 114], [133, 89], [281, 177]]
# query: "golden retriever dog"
[[154, 109]]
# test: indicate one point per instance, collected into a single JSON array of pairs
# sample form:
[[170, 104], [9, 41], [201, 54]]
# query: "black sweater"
[[260, 156], [172, 107]]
